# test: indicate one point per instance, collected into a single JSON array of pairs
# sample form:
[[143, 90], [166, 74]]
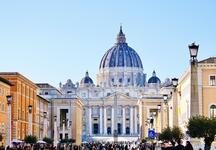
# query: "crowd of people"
[[172, 145], [146, 145]]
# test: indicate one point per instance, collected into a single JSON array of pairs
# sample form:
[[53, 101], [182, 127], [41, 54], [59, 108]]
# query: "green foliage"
[[144, 140], [177, 133], [48, 140], [171, 134], [166, 134], [202, 127], [31, 139]]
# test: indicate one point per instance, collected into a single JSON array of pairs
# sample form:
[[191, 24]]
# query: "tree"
[[171, 134], [166, 134], [31, 139], [48, 140], [202, 127], [177, 133]]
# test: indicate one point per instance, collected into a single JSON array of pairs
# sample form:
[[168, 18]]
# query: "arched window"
[[213, 111]]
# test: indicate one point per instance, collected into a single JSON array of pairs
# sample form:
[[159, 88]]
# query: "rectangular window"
[[212, 81]]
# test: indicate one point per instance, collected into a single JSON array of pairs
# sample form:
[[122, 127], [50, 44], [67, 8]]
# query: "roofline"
[[19, 75], [6, 81], [43, 98]]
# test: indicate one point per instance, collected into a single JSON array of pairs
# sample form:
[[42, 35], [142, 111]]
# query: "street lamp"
[[30, 119], [194, 104], [165, 98], [8, 134], [174, 82], [159, 107], [193, 48], [9, 98]]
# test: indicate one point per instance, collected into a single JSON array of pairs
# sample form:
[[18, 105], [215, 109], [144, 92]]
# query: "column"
[[101, 121], [135, 120], [131, 120], [55, 141], [63, 130], [105, 121], [90, 122], [123, 121], [113, 126]]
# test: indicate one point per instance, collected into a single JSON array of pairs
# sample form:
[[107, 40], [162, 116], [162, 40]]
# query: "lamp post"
[[30, 120], [174, 82], [165, 98], [193, 49], [45, 124], [55, 140], [159, 117], [8, 134]]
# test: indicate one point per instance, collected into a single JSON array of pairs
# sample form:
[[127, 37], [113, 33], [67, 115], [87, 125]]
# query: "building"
[[5, 86], [23, 105], [65, 114], [113, 107], [42, 118], [205, 82]]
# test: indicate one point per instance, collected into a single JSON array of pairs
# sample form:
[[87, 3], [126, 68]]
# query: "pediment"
[[121, 97]]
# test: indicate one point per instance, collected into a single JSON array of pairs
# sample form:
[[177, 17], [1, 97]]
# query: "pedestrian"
[[179, 146], [188, 146]]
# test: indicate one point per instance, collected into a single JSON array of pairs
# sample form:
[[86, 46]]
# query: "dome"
[[121, 55], [86, 79], [154, 78]]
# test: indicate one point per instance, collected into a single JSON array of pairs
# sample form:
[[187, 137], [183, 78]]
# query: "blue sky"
[[52, 41]]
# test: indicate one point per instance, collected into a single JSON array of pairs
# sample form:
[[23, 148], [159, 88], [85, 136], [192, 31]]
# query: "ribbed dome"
[[121, 55], [86, 79], [154, 78]]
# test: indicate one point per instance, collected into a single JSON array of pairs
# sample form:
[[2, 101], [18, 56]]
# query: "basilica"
[[122, 103]]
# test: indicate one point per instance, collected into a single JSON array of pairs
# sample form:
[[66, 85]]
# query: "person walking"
[[179, 146], [188, 146]]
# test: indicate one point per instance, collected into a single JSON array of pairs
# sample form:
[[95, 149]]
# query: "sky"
[[52, 41]]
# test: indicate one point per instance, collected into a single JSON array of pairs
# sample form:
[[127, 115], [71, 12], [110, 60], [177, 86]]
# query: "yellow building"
[[24, 94], [42, 117], [205, 81], [4, 91], [196, 92]]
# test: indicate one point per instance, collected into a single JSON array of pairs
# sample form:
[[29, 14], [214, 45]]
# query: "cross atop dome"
[[121, 36], [87, 74]]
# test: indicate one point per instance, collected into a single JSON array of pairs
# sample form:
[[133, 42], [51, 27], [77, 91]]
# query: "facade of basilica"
[[121, 103]]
